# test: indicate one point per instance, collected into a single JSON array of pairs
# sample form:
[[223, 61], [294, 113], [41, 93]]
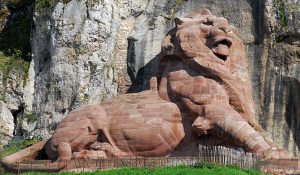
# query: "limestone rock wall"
[[6, 124], [14, 19], [85, 51], [280, 74]]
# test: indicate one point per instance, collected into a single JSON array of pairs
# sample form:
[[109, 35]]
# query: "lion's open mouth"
[[221, 47]]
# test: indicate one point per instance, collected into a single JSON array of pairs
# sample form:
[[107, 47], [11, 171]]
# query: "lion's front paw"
[[276, 153], [202, 125]]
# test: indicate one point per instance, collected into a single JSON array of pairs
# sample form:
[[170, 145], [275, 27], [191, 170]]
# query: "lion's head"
[[206, 42], [207, 39]]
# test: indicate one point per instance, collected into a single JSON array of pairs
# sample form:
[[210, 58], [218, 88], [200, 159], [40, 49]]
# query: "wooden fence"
[[211, 154], [228, 156]]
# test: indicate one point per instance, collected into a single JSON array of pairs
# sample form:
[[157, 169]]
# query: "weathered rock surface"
[[280, 74], [6, 124], [81, 55], [14, 20]]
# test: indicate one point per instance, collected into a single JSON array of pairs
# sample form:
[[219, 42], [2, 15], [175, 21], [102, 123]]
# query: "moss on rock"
[[42, 4], [31, 117]]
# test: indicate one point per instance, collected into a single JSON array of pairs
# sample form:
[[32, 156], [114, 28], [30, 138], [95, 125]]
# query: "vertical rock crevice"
[[17, 114]]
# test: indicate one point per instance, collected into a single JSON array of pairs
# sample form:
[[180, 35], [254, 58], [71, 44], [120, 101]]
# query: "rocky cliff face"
[[280, 73], [15, 22], [85, 51]]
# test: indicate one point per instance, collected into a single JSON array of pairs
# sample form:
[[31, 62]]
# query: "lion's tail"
[[15, 162]]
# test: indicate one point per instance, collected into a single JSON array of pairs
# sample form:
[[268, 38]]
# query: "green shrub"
[[31, 117], [281, 10], [175, 7], [15, 40], [2, 98], [283, 14], [13, 62], [42, 4]]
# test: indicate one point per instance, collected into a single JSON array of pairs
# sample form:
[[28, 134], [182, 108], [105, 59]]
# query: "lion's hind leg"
[[64, 151]]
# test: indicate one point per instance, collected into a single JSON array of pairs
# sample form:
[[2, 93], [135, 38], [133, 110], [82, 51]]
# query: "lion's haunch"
[[131, 124]]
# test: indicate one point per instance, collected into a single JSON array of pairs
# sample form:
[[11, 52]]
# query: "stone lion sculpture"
[[202, 94]]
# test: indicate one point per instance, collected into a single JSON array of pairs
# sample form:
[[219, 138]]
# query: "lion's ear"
[[205, 12], [197, 15], [178, 21], [199, 12]]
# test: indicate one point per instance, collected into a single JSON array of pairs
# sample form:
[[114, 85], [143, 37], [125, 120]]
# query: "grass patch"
[[208, 169], [12, 147], [28, 142], [15, 146]]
